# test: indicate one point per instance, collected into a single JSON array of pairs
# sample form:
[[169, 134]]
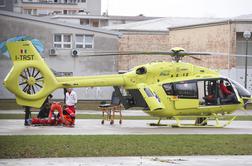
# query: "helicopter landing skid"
[[203, 124], [158, 123]]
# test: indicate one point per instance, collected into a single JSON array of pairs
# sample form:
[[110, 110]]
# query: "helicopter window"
[[141, 70], [168, 89], [186, 90], [241, 90], [148, 92]]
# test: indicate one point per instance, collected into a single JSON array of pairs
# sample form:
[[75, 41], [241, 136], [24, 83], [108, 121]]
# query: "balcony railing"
[[51, 2]]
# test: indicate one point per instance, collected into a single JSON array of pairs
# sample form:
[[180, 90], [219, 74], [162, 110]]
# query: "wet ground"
[[94, 127]]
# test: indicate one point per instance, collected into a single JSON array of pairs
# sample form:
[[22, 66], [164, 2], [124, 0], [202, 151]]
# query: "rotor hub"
[[31, 81]]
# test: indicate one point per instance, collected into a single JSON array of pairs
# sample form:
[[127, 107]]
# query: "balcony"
[[44, 2]]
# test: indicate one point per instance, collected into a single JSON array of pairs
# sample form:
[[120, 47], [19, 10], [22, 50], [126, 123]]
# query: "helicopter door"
[[150, 97], [187, 95], [208, 93]]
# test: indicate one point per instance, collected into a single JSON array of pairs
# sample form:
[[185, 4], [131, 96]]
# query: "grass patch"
[[99, 116], [126, 145]]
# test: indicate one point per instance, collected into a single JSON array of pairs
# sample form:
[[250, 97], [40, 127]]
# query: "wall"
[[142, 41], [94, 6], [8, 6], [213, 38]]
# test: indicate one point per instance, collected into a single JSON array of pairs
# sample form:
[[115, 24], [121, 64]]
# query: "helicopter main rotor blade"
[[194, 53], [129, 53], [232, 55], [194, 58], [171, 53], [147, 53]]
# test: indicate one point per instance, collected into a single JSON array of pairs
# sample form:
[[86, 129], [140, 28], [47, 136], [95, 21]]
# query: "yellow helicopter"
[[162, 89]]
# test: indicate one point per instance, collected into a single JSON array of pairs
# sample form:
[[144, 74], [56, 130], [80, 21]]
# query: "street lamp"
[[246, 35]]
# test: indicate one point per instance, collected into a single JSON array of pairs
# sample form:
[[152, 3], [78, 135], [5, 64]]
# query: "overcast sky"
[[178, 8]]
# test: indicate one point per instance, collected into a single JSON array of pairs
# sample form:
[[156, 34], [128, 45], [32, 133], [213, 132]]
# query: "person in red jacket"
[[224, 89], [227, 93]]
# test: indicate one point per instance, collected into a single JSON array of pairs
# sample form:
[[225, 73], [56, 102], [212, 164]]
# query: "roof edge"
[[199, 25], [49, 21], [222, 22]]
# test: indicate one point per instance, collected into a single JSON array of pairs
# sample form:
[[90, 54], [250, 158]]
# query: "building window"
[[84, 41], [2, 3], [62, 41], [84, 21], [30, 11], [71, 11], [34, 12]]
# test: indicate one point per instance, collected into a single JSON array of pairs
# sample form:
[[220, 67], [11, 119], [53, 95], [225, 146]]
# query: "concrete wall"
[[64, 62], [142, 41], [94, 6], [8, 5]]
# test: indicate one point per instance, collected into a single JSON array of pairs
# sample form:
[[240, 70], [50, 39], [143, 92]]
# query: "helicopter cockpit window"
[[148, 92], [168, 89], [241, 90], [186, 90]]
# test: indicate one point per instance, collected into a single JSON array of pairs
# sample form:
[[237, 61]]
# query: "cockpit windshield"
[[241, 90]]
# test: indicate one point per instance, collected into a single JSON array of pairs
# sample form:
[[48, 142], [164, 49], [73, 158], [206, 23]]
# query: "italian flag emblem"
[[23, 51]]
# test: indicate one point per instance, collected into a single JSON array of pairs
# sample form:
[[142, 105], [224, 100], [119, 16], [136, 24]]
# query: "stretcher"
[[108, 113]]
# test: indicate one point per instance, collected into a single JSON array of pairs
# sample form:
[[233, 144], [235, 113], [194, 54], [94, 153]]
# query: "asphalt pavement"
[[129, 127]]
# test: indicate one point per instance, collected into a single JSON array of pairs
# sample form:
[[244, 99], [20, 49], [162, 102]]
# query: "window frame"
[[148, 92], [62, 42], [174, 91], [4, 4], [169, 94], [186, 97], [84, 42]]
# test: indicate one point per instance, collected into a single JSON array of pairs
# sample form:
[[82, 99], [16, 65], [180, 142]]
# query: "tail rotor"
[[31, 80]]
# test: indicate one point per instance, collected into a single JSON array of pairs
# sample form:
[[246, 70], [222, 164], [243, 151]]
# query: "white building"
[[50, 7]]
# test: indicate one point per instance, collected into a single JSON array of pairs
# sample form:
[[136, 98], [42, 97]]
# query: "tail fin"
[[30, 79]]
